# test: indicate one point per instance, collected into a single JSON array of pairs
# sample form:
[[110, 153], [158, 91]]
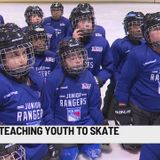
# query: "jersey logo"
[[150, 62], [10, 94], [127, 51], [86, 86], [49, 35], [50, 59], [97, 49], [57, 32], [48, 23], [73, 114], [62, 24], [98, 35], [62, 87]]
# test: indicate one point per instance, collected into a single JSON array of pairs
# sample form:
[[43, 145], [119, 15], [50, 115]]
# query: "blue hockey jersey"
[[1, 20], [61, 28], [21, 105], [120, 49], [150, 152], [99, 31], [100, 60], [45, 63], [139, 81], [51, 36], [73, 101]]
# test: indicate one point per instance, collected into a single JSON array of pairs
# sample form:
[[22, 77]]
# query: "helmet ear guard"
[[68, 48]]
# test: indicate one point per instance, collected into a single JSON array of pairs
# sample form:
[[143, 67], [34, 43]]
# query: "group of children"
[[52, 71]]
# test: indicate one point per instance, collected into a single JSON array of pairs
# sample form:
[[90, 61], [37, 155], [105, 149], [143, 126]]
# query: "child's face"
[[85, 24], [56, 13], [39, 43], [74, 61], [35, 19], [8, 157], [16, 59], [135, 30], [154, 35]]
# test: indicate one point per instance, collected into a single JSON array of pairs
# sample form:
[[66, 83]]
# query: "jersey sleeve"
[[129, 73], [47, 103], [107, 64], [150, 152], [116, 52], [2, 93], [94, 103], [1, 20], [47, 111], [68, 29]]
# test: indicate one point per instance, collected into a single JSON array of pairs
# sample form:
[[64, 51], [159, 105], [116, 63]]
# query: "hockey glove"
[[133, 148], [123, 115]]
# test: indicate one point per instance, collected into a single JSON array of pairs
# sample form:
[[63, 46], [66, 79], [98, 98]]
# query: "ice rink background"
[[110, 16]]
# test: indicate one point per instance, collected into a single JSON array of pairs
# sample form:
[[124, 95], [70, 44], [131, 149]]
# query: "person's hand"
[[77, 34], [123, 114]]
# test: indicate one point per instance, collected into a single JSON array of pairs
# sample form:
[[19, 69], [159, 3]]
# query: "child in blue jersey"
[[21, 86], [120, 48], [60, 23], [1, 20], [73, 95], [138, 87], [99, 30], [45, 60], [34, 16], [150, 152], [100, 60]]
